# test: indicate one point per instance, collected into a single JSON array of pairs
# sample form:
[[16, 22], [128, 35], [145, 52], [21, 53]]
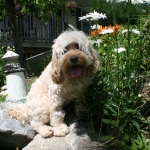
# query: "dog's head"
[[73, 57]]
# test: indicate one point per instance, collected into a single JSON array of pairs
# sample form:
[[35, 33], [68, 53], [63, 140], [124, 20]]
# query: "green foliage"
[[40, 7], [114, 100], [2, 98], [35, 68], [121, 9], [138, 143]]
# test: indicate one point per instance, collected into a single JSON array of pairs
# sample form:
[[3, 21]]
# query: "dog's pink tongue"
[[75, 72]]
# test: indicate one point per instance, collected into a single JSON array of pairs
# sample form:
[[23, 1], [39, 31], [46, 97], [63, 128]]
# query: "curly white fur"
[[69, 37], [74, 63]]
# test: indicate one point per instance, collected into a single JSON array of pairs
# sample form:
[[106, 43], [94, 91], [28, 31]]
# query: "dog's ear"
[[57, 74], [92, 69]]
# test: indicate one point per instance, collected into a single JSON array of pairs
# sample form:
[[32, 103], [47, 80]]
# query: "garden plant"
[[115, 102]]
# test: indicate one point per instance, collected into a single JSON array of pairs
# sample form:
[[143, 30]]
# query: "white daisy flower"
[[93, 16], [133, 31], [132, 1], [124, 31], [121, 49], [96, 15], [95, 26], [137, 2], [83, 18], [107, 31], [98, 41]]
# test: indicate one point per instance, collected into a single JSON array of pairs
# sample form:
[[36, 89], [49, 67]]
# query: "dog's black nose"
[[73, 59]]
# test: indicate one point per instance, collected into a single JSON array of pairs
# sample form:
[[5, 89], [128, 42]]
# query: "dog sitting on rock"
[[73, 65]]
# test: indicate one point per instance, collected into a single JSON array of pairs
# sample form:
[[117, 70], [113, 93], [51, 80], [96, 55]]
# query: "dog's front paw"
[[46, 131], [17, 115], [12, 113], [61, 130]]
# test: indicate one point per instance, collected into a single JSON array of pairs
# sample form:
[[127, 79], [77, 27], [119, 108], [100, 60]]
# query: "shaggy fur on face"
[[74, 63]]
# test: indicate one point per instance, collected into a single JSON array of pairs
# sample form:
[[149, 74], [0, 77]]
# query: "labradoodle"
[[73, 65]]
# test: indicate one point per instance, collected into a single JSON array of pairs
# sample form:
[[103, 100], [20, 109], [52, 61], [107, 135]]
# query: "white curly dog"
[[74, 63]]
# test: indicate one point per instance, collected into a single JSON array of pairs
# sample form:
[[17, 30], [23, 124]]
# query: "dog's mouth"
[[75, 71]]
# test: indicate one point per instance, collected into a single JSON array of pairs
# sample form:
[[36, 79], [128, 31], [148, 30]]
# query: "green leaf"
[[121, 127], [130, 111], [112, 122], [136, 125], [113, 111], [125, 137], [106, 138]]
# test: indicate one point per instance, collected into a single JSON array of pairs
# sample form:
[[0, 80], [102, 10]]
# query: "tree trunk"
[[11, 14]]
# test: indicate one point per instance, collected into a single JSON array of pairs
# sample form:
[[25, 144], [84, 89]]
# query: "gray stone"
[[12, 133], [39, 143], [77, 139]]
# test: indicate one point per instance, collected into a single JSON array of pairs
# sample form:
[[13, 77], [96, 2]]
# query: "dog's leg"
[[19, 112], [43, 130], [57, 119]]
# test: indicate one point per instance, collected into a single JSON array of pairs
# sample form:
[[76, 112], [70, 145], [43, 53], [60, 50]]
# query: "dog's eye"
[[66, 48], [77, 46]]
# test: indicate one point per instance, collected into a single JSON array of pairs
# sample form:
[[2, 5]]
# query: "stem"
[[90, 118], [116, 43], [100, 129], [128, 51]]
